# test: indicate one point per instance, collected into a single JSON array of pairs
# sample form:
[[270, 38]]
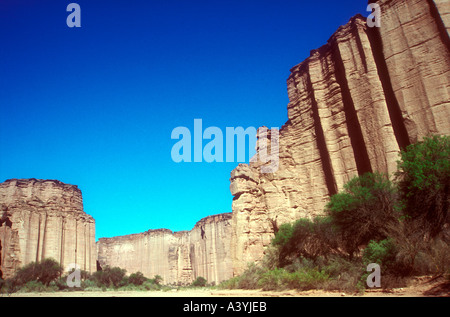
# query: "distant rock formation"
[[178, 257], [44, 219], [353, 104]]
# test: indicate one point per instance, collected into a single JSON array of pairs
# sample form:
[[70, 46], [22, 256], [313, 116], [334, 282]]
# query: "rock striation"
[[44, 219], [353, 104], [178, 257], [356, 101]]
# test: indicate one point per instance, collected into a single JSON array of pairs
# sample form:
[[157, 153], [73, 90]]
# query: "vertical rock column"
[[180, 257], [46, 221], [354, 103], [415, 45]]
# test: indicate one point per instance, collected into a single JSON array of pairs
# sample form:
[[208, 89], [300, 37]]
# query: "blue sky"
[[95, 106]]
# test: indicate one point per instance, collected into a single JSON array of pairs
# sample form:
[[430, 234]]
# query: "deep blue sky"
[[95, 106]]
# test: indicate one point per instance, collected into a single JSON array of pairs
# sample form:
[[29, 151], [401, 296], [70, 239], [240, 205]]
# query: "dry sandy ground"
[[424, 286]]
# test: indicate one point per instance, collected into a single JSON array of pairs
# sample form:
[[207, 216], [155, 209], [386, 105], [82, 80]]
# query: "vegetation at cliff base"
[[48, 276], [400, 223]]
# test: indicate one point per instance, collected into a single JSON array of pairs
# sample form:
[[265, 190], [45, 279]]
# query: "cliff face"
[[44, 219], [178, 257], [353, 104]]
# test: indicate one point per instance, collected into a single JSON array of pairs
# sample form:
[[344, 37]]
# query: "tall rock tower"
[[354, 103], [44, 219]]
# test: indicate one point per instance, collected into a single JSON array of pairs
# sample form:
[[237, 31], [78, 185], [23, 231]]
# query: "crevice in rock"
[[321, 144], [440, 24], [361, 51], [99, 267], [38, 239], [395, 114], [1, 273], [354, 129], [5, 220]]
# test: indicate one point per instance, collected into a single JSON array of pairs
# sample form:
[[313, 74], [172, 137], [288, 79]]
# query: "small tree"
[[46, 271], [137, 278], [365, 210], [424, 180], [109, 276], [307, 238], [199, 282]]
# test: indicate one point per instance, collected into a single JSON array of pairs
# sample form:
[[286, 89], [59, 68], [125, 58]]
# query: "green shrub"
[[110, 277], [137, 278], [309, 239], [279, 279], [149, 285], [273, 280], [365, 210], [36, 286], [381, 252], [283, 235], [46, 271], [199, 282], [424, 180], [157, 279], [345, 275], [231, 283]]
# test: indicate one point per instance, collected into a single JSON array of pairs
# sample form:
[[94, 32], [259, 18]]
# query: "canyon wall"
[[44, 219], [354, 103], [178, 257]]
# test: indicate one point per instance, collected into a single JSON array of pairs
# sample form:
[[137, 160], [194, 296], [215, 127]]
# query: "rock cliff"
[[356, 101], [353, 104], [178, 257], [44, 219]]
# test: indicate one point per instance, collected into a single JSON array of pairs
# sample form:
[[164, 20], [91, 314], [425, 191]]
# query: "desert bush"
[[308, 238], [88, 284], [435, 259], [273, 279], [110, 277], [46, 271], [157, 279], [271, 257], [151, 286], [381, 252], [305, 279], [199, 282], [365, 210], [231, 283], [250, 277], [137, 278], [36, 286], [345, 275], [424, 181], [283, 235]]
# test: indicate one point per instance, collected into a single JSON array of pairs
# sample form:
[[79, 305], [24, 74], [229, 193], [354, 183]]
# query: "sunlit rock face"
[[44, 219], [356, 101], [178, 257]]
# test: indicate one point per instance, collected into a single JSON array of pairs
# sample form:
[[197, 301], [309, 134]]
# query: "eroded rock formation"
[[44, 219], [178, 257], [353, 104]]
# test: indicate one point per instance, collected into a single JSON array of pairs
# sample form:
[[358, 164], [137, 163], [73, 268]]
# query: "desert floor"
[[423, 286]]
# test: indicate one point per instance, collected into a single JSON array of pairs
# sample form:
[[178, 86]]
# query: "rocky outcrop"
[[353, 104], [44, 219], [178, 257]]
